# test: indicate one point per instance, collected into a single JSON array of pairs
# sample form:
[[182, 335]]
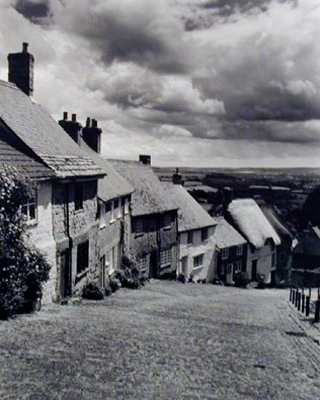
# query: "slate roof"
[[252, 223], [190, 214], [112, 185], [44, 136], [150, 196], [23, 163], [226, 236]]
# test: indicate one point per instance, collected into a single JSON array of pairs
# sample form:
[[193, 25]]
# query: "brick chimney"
[[21, 70], [73, 127], [91, 134], [177, 178], [145, 159]]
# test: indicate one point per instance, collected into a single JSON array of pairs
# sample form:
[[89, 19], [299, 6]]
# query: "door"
[[184, 266], [65, 282], [254, 270], [154, 265]]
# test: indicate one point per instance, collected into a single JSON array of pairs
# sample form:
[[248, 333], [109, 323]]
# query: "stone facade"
[[75, 223], [197, 250], [154, 244], [230, 260]]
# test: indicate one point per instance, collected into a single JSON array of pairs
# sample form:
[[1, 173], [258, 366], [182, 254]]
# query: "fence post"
[[317, 312], [299, 301], [303, 301], [293, 296], [297, 295], [290, 295], [308, 306]]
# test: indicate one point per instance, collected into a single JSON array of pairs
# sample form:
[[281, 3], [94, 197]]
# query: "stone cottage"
[[196, 235], [154, 235], [246, 216], [232, 251], [62, 217]]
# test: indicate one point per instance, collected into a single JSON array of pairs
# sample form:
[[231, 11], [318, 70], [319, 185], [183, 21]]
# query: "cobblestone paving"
[[166, 341]]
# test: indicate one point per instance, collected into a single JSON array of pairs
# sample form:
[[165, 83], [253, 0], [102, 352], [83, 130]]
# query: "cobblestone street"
[[166, 341]]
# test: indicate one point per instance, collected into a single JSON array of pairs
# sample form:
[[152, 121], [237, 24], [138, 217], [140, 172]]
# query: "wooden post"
[[290, 295], [317, 312], [299, 301], [307, 306], [310, 293], [303, 302], [297, 295], [293, 296]]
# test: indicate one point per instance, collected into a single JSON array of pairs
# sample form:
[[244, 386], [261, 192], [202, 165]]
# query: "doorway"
[[65, 282], [154, 265], [254, 270]]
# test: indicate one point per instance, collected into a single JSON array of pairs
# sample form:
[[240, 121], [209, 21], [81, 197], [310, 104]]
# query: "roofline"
[[196, 229], [153, 213]]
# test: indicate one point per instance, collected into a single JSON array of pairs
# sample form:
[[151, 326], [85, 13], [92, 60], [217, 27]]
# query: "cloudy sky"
[[191, 82]]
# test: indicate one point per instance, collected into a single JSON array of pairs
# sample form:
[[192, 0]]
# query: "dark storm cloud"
[[36, 11]]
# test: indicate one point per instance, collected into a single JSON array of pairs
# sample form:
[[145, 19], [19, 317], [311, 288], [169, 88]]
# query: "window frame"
[[240, 250], [198, 261], [138, 222], [204, 234], [102, 215], [165, 257], [120, 213], [225, 253], [190, 237], [78, 196], [126, 205], [33, 201], [83, 253], [167, 223]]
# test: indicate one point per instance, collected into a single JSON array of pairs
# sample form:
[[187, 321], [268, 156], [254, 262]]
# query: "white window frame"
[[120, 208], [198, 261], [30, 202], [102, 215], [165, 257], [126, 205], [239, 250], [225, 253]]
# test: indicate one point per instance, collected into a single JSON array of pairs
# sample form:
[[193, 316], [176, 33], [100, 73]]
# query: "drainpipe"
[[70, 239]]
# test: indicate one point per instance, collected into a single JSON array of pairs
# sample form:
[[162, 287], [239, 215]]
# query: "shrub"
[[130, 276], [181, 278], [22, 268], [241, 279], [92, 292]]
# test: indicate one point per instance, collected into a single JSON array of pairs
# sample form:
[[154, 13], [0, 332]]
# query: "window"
[[112, 215], [198, 261], [190, 237], [78, 196], [143, 264], [102, 277], [126, 205], [229, 269], [165, 257], [204, 234], [239, 250], [29, 210], [82, 257], [167, 221], [120, 209], [102, 215], [112, 260], [237, 266], [138, 225], [225, 254]]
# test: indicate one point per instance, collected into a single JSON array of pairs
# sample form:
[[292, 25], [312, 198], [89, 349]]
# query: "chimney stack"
[[21, 70], [177, 178], [73, 128], [91, 134], [145, 159]]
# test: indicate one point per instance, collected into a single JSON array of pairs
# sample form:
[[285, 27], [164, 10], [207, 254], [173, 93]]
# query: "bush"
[[130, 276], [92, 292], [241, 279], [181, 278], [22, 268]]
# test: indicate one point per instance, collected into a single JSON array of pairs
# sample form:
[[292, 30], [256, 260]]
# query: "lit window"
[[82, 257], [239, 250], [165, 257], [225, 254], [78, 195], [190, 237], [102, 215], [204, 234], [198, 261], [29, 210]]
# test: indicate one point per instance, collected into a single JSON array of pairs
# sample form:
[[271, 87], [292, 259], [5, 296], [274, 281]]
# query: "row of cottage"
[[89, 212]]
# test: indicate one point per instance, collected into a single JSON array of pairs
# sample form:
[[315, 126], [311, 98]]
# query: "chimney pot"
[[74, 117], [88, 122], [94, 123], [65, 115], [25, 47], [145, 159]]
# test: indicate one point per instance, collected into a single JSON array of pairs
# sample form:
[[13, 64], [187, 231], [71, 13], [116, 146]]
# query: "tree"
[[23, 269]]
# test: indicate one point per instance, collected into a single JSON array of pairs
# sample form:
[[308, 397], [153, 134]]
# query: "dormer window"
[[204, 234]]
